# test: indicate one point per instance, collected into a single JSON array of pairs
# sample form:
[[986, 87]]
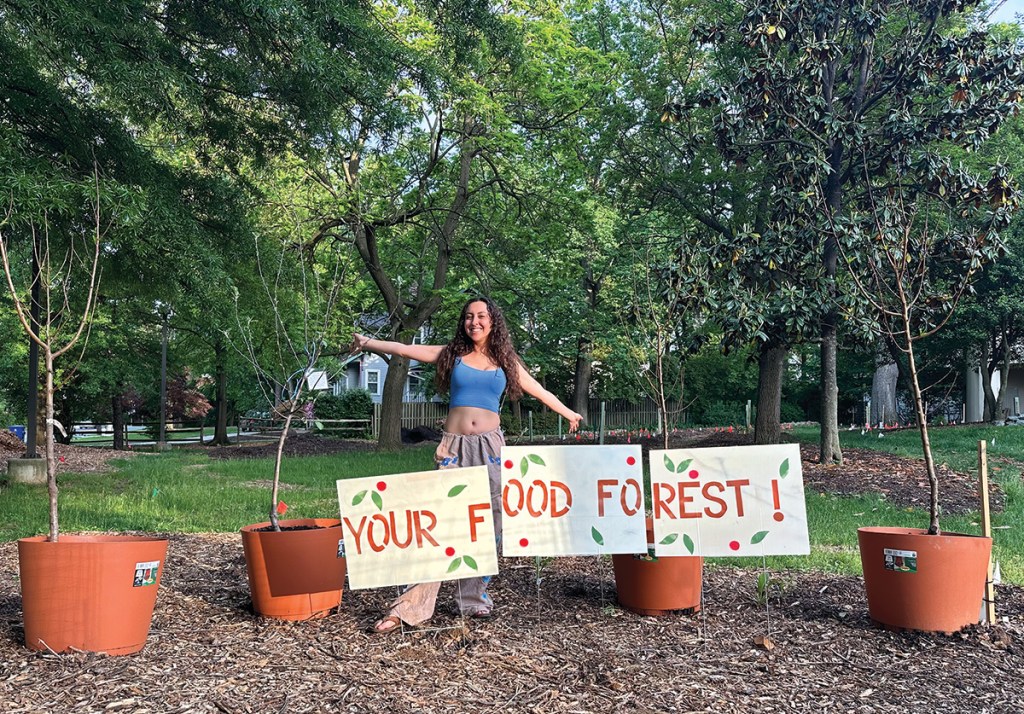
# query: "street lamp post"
[[165, 318]]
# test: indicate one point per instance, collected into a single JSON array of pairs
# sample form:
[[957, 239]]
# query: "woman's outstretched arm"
[[534, 388], [420, 353]]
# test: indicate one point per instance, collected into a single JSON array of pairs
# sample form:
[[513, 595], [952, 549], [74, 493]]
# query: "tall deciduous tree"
[[404, 190]]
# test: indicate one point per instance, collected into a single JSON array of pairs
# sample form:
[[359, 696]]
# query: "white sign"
[[417, 527], [730, 501], [572, 500]]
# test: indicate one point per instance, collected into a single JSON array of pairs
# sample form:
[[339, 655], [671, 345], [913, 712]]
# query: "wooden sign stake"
[[986, 531]]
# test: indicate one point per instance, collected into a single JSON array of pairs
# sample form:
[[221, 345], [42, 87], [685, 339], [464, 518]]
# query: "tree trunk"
[[991, 406], [883, 388], [830, 449], [390, 436], [51, 456], [117, 421], [581, 379], [770, 363], [999, 412], [220, 431]]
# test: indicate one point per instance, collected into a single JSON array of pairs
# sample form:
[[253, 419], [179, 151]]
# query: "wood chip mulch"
[[73, 459], [560, 646]]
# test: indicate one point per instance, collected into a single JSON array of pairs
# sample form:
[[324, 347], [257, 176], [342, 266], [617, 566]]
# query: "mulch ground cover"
[[557, 645]]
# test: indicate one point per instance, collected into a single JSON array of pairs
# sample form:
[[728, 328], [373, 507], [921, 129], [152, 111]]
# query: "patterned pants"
[[416, 603]]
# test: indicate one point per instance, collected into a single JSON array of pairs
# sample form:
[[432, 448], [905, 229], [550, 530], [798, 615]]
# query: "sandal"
[[391, 623]]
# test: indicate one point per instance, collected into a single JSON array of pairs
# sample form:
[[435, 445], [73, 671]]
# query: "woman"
[[476, 367]]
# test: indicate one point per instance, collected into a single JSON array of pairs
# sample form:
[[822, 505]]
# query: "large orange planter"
[[916, 581], [651, 585], [295, 575], [89, 593]]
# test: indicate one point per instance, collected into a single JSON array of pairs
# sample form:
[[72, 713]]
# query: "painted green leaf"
[[784, 469], [669, 539], [319, 425], [359, 498], [456, 490], [524, 466], [669, 465], [688, 542], [683, 466], [596, 535], [536, 459], [377, 501], [470, 562], [455, 564], [758, 537]]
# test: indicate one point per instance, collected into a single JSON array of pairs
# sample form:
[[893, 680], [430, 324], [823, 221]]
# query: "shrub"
[[545, 423], [350, 404], [725, 414], [791, 412]]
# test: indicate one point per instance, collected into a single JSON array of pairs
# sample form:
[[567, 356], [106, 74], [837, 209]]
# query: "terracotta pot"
[[650, 585], [916, 581], [89, 593], [298, 574]]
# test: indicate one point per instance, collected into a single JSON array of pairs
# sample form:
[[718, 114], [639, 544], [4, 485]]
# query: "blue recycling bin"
[[18, 430]]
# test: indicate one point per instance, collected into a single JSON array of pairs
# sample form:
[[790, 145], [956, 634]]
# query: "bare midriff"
[[471, 420]]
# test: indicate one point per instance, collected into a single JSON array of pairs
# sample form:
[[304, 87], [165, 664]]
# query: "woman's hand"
[[359, 343], [574, 421]]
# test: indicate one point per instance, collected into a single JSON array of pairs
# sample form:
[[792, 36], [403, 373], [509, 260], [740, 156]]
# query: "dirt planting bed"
[[560, 646]]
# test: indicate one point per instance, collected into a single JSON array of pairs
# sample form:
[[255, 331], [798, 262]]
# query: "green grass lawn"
[[186, 491]]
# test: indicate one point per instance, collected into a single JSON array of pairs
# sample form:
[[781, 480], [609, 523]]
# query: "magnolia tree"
[[800, 106], [913, 261], [65, 276]]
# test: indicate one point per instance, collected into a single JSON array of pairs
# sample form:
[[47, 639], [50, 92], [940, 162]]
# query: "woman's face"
[[478, 322]]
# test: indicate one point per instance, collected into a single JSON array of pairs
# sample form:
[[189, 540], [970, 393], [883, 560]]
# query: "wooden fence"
[[90, 434], [414, 414], [618, 414]]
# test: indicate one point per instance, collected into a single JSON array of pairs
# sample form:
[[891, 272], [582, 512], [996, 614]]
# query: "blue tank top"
[[481, 388]]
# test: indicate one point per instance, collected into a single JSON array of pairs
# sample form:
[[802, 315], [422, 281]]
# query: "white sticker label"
[[145, 573]]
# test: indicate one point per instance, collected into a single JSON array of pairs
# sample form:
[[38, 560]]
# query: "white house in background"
[[1013, 400], [368, 371]]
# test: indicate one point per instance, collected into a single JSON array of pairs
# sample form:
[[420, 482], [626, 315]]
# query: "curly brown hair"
[[499, 349]]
